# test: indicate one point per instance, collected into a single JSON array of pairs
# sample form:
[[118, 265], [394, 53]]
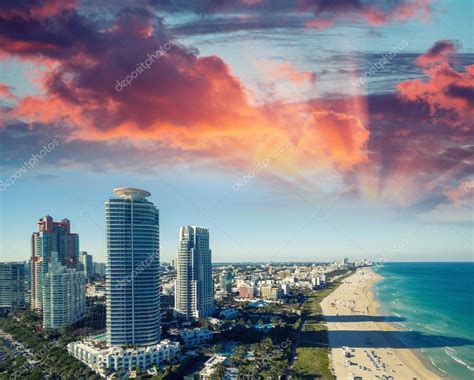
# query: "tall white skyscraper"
[[194, 297], [133, 277]]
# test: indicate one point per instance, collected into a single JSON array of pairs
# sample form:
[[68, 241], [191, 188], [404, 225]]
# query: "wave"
[[450, 349], [401, 324], [397, 315], [455, 358], [434, 365], [430, 328]]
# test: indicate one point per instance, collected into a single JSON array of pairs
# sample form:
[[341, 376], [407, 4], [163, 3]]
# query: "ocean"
[[434, 304]]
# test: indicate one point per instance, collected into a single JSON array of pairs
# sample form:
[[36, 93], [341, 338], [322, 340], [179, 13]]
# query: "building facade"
[[13, 277], [50, 237], [87, 265], [132, 270], [194, 294], [64, 295]]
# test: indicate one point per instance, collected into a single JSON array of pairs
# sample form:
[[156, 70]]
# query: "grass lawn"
[[311, 362], [312, 352]]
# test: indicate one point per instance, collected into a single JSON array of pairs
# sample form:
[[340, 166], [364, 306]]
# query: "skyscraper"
[[194, 295], [12, 285], [64, 300], [87, 265], [50, 237], [133, 277]]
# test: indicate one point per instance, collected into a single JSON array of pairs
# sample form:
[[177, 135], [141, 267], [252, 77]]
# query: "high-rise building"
[[87, 265], [132, 272], [50, 237], [64, 300], [12, 285], [194, 295], [99, 269]]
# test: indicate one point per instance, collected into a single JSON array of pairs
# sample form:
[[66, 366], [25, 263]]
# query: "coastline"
[[362, 340], [379, 310]]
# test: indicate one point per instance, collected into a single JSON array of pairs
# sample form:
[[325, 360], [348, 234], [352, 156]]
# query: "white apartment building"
[[195, 337], [100, 358], [64, 300], [194, 296]]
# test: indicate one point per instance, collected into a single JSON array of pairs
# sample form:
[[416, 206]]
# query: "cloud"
[[188, 108], [448, 92], [219, 16], [338, 137], [438, 53]]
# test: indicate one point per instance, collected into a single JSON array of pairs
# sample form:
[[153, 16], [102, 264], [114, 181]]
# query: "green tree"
[[219, 372]]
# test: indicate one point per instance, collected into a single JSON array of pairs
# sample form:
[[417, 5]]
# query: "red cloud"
[[448, 92], [438, 53], [334, 137], [373, 12]]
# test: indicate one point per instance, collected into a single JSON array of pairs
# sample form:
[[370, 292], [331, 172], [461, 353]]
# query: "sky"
[[296, 130]]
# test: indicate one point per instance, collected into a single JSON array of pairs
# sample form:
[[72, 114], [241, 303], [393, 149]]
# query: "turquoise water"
[[434, 304]]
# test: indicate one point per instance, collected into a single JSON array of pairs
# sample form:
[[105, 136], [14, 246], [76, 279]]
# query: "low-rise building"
[[210, 366], [195, 337], [230, 313], [101, 358]]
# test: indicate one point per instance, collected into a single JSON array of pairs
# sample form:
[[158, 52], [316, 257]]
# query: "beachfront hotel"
[[133, 277], [194, 295]]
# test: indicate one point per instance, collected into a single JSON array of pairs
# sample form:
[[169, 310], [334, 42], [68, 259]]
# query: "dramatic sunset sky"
[[293, 129]]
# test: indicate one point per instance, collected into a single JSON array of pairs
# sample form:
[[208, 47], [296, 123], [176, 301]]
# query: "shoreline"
[[379, 309], [361, 339]]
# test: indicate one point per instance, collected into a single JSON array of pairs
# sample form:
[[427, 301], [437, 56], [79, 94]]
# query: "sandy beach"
[[362, 341]]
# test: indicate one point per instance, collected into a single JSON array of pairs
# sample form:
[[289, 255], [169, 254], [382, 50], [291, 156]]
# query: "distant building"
[[50, 237], [285, 288], [133, 269], [99, 270], [13, 277], [270, 292], [194, 295], [226, 280], [87, 265], [64, 301], [346, 260], [247, 291]]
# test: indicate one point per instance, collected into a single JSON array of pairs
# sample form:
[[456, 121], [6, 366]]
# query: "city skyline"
[[292, 129]]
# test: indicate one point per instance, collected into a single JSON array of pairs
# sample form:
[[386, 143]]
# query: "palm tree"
[[219, 372]]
